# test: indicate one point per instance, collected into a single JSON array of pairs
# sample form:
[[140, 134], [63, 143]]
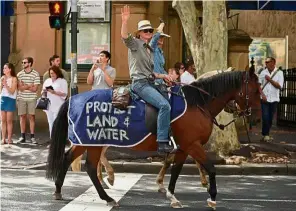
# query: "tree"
[[192, 27], [208, 44]]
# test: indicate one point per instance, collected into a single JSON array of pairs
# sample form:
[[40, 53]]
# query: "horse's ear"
[[252, 71]]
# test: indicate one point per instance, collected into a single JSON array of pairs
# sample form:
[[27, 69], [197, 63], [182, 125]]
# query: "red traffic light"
[[56, 8]]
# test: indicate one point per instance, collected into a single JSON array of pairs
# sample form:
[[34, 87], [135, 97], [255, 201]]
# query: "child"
[[174, 73]]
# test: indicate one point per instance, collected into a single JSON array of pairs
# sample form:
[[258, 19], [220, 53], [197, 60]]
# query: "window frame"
[[83, 67]]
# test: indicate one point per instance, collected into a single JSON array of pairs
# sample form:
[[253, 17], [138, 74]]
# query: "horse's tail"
[[59, 136]]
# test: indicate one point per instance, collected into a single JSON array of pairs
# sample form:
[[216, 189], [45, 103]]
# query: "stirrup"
[[172, 142]]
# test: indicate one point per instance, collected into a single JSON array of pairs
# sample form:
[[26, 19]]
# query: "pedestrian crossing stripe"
[[90, 201]]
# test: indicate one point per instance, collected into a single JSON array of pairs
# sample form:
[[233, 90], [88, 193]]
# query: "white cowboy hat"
[[164, 35], [144, 24]]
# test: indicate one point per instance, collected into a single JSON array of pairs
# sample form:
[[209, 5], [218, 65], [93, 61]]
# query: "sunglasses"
[[148, 30]]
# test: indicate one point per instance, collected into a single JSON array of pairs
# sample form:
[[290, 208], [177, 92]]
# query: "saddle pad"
[[93, 121]]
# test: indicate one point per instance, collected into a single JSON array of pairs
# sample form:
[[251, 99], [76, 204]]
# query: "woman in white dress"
[[56, 89]]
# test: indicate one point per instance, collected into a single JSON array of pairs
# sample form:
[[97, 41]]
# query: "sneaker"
[[165, 147], [33, 141], [21, 140]]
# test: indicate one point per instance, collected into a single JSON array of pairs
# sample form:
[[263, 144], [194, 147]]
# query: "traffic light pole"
[[74, 31]]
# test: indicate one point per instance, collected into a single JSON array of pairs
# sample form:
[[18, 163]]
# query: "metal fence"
[[286, 111]]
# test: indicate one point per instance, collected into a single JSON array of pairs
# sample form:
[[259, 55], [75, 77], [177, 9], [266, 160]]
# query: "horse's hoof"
[[58, 196], [111, 181], [212, 204], [176, 204], [112, 204], [162, 190]]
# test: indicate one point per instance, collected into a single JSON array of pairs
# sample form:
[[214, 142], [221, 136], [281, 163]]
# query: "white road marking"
[[261, 200], [90, 200]]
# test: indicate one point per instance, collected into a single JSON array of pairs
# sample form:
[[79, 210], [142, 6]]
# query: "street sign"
[[91, 9]]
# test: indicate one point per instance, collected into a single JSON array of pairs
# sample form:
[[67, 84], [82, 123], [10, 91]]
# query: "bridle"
[[248, 109]]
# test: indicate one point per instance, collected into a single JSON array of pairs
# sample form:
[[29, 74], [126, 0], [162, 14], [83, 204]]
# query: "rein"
[[215, 122]]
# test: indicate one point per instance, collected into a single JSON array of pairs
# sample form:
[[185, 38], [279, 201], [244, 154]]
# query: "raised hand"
[[94, 66], [161, 20], [125, 13]]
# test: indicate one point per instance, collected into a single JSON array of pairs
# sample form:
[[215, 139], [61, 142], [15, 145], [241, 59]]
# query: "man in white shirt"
[[187, 77], [271, 80]]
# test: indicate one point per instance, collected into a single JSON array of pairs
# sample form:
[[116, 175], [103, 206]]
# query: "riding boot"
[[164, 147]]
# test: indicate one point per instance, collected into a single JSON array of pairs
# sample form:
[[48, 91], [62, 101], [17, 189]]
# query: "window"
[[94, 33]]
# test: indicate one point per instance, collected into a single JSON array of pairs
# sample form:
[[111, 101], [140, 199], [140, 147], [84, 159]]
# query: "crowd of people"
[[19, 92]]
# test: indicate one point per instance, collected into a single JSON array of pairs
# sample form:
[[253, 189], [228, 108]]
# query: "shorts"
[[8, 104], [26, 107]]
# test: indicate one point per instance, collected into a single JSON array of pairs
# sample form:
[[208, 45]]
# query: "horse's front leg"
[[179, 161], [69, 157], [160, 177], [198, 153]]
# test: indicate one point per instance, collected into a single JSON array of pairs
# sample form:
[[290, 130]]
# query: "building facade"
[[32, 36]]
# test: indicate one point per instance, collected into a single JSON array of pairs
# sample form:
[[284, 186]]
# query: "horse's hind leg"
[[70, 155], [202, 173], [198, 153], [179, 160], [92, 160], [108, 168], [166, 164]]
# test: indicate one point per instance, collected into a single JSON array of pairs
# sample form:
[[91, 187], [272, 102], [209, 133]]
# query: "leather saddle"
[[121, 98]]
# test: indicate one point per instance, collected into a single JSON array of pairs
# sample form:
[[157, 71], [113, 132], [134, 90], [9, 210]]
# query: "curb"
[[191, 169]]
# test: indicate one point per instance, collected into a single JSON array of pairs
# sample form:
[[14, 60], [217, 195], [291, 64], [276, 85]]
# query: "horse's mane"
[[215, 85]]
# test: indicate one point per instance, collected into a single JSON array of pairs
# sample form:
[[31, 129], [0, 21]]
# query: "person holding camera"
[[55, 89], [102, 75]]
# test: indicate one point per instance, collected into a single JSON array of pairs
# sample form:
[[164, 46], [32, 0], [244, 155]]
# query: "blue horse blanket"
[[93, 121]]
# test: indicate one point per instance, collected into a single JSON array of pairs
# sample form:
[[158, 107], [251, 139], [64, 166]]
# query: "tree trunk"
[[192, 29], [208, 44], [215, 46]]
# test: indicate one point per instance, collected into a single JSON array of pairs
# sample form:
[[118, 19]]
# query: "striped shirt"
[[28, 78]]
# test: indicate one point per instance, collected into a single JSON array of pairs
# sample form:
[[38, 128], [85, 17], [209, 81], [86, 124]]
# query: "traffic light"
[[56, 18]]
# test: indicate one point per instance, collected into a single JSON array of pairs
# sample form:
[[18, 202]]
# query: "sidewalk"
[[29, 156]]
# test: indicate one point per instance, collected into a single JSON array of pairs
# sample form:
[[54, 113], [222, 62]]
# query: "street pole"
[[74, 31]]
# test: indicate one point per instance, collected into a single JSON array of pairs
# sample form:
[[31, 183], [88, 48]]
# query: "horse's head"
[[248, 97]]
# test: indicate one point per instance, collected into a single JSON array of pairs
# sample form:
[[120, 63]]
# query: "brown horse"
[[191, 132], [168, 159]]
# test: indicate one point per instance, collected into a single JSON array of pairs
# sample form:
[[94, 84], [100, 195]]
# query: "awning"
[[7, 8], [262, 5]]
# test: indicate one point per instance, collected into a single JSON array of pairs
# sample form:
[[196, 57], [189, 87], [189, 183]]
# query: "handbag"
[[43, 102], [121, 97]]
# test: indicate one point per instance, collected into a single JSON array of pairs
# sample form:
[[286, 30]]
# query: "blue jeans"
[[152, 96], [268, 111]]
